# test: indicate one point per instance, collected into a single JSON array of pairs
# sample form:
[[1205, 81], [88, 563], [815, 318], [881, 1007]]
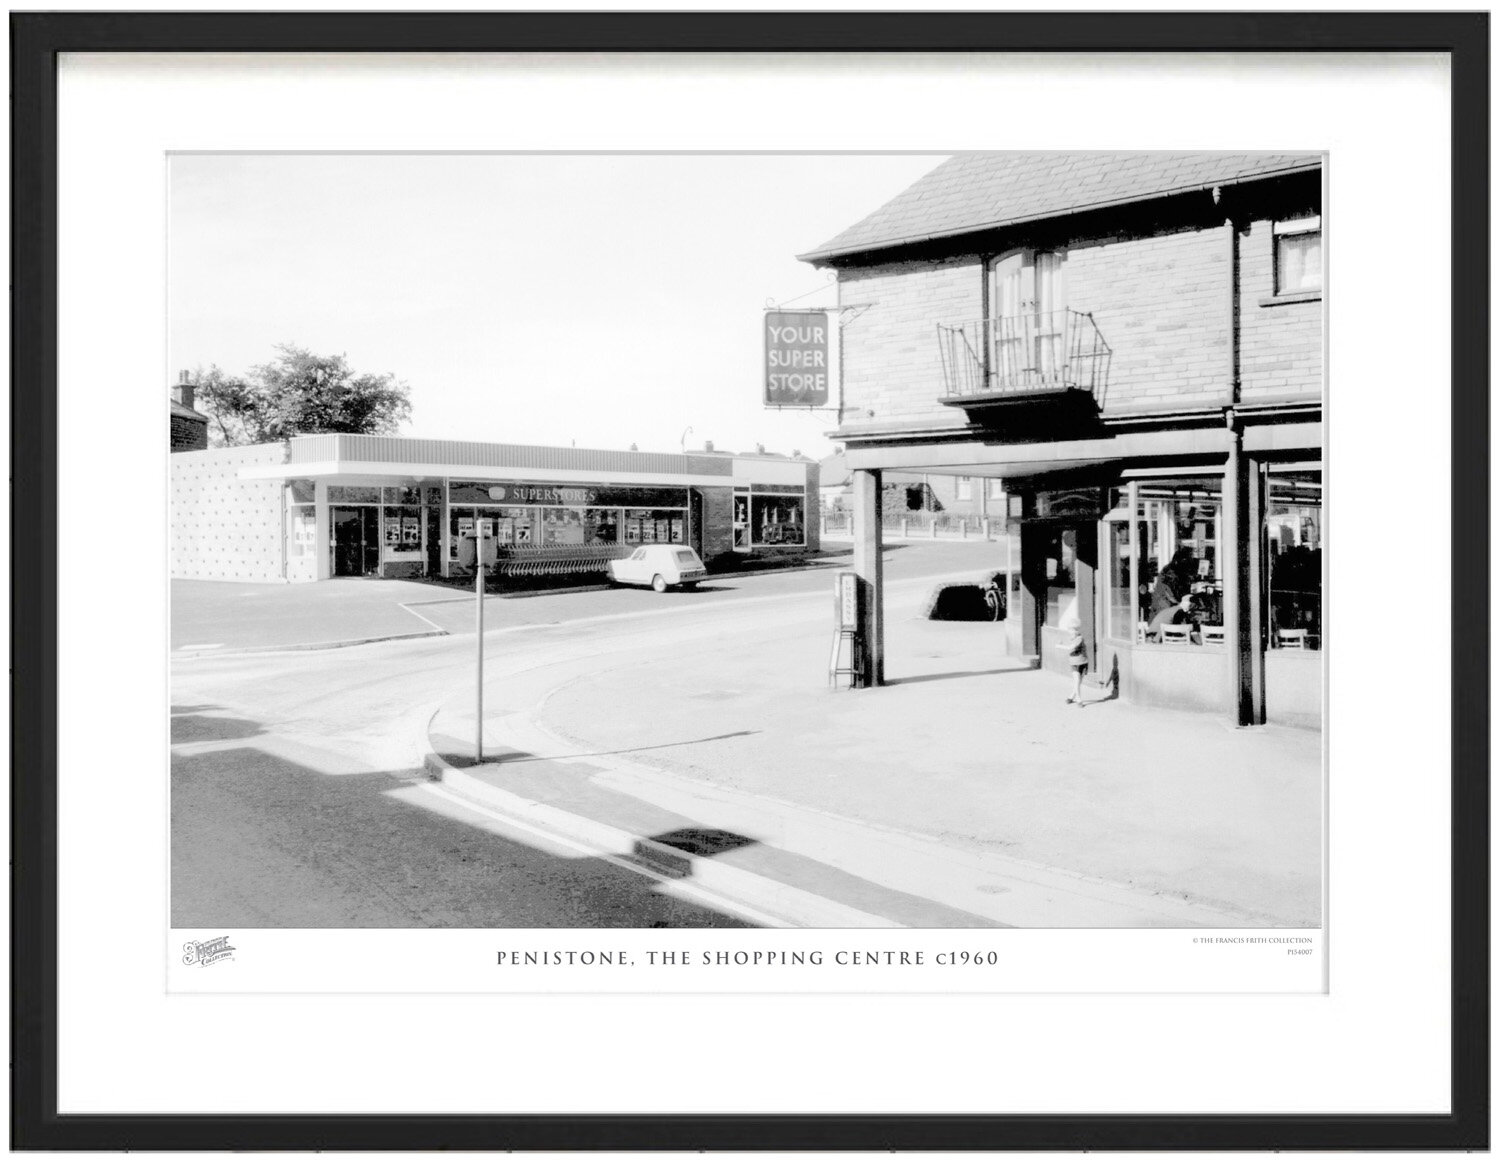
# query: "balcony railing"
[[1023, 355]]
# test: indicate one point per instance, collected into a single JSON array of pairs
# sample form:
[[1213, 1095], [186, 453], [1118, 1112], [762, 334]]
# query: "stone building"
[[1133, 342]]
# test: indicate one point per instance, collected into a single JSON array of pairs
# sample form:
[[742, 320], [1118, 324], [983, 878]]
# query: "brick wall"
[[1160, 303], [718, 522], [223, 528], [892, 371], [1281, 344], [188, 434]]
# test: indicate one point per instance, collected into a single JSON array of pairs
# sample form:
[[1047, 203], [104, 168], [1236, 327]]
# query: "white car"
[[659, 566]]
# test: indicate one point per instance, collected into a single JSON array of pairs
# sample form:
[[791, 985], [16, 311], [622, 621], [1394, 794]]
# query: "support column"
[[1133, 499], [867, 564], [1234, 560], [1255, 584], [1033, 592]]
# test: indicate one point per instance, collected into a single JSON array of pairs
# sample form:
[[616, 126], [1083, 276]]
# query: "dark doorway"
[[434, 536], [1058, 564], [356, 540]]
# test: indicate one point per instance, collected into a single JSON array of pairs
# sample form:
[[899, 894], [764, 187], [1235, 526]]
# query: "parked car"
[[659, 566]]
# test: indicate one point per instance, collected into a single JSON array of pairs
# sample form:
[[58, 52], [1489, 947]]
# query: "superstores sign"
[[575, 496], [796, 374]]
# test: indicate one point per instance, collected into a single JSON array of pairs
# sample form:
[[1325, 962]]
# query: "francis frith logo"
[[207, 952]]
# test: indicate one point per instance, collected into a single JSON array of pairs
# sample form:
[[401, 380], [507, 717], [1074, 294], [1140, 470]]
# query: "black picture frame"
[[36, 41]]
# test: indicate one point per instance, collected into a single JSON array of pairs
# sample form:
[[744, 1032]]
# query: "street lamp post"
[[682, 441]]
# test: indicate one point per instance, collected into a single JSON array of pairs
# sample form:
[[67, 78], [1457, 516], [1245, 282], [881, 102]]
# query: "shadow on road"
[[261, 841], [189, 728]]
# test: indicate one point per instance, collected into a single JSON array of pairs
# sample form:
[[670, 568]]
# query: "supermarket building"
[[339, 505]]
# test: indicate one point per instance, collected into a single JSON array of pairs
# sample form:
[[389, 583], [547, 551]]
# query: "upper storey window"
[[1299, 256], [1028, 316]]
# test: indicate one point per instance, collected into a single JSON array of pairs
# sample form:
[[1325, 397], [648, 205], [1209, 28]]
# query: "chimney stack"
[[183, 391], [708, 446]]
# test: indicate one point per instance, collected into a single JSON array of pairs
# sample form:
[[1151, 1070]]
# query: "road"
[[295, 799]]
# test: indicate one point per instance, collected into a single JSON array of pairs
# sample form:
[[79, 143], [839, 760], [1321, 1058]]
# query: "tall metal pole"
[[479, 645]]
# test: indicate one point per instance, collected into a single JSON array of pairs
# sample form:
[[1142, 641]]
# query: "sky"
[[598, 300]]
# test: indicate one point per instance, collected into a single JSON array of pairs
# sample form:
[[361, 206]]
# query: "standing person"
[[1071, 644]]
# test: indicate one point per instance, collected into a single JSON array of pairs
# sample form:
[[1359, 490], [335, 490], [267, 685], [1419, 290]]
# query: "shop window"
[[1299, 256], [776, 521], [1180, 558], [1294, 560], [401, 531], [353, 495], [1122, 612], [460, 534], [402, 495], [303, 527], [742, 522], [301, 492], [965, 488], [655, 527], [601, 526], [1177, 594]]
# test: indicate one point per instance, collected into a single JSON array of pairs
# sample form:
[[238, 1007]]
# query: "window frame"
[[1292, 228], [1039, 348]]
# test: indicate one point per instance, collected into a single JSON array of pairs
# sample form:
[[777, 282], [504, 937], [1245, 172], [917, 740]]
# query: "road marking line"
[[424, 618]]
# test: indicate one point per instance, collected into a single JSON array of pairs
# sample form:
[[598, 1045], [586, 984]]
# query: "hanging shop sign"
[[1067, 503], [796, 374]]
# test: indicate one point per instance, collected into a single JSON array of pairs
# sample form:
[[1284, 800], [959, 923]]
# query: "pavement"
[[966, 792], [694, 738]]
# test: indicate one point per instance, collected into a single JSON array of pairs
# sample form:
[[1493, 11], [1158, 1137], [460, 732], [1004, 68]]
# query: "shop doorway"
[[433, 538], [356, 540], [1058, 563]]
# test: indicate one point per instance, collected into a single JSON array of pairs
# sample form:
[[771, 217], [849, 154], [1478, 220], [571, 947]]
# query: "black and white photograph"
[[926, 573], [720, 540]]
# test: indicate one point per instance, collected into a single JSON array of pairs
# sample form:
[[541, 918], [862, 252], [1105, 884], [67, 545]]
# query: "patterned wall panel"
[[223, 528]]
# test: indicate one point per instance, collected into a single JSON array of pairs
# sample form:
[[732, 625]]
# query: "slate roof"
[[185, 412], [978, 191]]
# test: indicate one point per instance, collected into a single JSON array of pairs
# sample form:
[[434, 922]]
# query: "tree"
[[298, 393]]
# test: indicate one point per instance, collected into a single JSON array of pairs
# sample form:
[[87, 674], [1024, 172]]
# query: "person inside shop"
[[1184, 613], [1173, 583]]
